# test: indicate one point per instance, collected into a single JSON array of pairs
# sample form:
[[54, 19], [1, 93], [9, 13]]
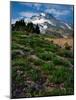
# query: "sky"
[[23, 9]]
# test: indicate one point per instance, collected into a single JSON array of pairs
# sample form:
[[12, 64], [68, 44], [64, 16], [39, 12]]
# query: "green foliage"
[[45, 56], [37, 29], [61, 75], [37, 63], [30, 27], [61, 61], [21, 26], [34, 74], [68, 54], [65, 53], [48, 67]]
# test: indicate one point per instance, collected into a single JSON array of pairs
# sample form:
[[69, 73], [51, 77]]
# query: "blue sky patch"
[[61, 12]]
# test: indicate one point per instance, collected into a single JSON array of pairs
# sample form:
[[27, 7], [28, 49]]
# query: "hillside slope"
[[40, 67]]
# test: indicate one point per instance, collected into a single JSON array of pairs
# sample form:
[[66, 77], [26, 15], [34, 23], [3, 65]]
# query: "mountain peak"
[[47, 21]]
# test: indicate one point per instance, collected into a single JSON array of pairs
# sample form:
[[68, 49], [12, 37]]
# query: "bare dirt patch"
[[61, 41]]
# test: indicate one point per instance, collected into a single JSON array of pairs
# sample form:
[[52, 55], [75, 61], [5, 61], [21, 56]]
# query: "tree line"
[[22, 26]]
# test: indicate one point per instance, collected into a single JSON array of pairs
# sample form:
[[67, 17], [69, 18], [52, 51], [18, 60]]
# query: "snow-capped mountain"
[[50, 25]]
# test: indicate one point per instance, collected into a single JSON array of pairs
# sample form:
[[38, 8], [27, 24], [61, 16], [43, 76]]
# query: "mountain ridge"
[[49, 24]]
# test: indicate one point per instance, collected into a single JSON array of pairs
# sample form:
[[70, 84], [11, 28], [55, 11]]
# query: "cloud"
[[27, 14], [27, 4], [56, 12], [37, 6]]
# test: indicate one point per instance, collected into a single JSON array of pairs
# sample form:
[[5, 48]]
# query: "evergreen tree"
[[16, 25], [12, 27], [21, 26], [30, 27], [37, 29]]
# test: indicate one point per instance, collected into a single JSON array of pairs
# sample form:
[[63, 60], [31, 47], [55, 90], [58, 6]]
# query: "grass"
[[36, 63], [61, 75]]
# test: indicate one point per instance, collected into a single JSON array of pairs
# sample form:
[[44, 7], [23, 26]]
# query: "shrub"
[[61, 61], [65, 53], [39, 49], [58, 76], [52, 41], [68, 53], [45, 55], [62, 75], [48, 67], [38, 62], [34, 74], [52, 47], [57, 61], [67, 46]]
